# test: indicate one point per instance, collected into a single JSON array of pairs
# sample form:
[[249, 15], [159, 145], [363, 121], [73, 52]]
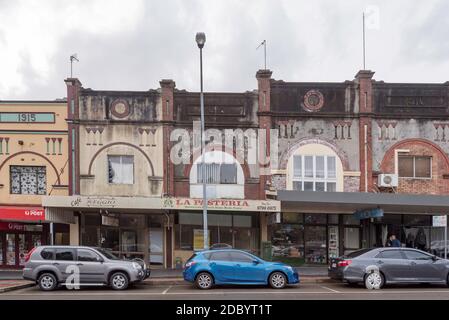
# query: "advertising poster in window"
[[198, 239]]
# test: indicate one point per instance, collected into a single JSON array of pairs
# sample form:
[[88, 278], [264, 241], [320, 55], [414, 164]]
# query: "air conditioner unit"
[[387, 180]]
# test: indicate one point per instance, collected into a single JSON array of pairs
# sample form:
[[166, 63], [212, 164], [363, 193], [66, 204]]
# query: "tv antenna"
[[72, 58], [264, 44]]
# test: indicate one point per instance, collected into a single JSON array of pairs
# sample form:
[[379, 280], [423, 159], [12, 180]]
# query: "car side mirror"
[[256, 261], [434, 258]]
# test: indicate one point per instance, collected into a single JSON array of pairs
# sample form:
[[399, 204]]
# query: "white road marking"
[[335, 291], [39, 294], [165, 291]]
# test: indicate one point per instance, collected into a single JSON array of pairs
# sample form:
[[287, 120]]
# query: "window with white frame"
[[314, 173], [121, 169], [218, 173]]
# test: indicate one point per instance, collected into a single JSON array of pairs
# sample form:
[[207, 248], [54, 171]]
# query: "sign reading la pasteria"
[[22, 213], [222, 204]]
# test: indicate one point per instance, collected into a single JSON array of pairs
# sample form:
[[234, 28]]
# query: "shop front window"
[[315, 244], [315, 218], [237, 230], [351, 239], [123, 234], [288, 243]]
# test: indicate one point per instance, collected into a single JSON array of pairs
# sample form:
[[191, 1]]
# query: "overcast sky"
[[133, 44]]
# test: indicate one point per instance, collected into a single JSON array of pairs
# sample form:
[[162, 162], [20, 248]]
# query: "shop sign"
[[198, 239], [366, 214], [221, 204], [439, 221], [94, 202], [22, 213], [11, 226]]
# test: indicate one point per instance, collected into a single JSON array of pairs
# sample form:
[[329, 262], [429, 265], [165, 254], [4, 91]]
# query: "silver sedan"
[[380, 266]]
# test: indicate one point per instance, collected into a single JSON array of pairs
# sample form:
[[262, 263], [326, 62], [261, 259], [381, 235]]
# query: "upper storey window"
[[415, 166], [314, 173], [28, 180], [121, 169], [218, 173]]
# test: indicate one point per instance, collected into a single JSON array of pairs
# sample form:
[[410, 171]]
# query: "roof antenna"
[[264, 44], [72, 57]]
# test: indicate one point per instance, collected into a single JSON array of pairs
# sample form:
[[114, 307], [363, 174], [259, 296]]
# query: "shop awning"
[[349, 202]]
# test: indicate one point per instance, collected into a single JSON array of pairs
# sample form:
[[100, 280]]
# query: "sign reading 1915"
[[27, 117]]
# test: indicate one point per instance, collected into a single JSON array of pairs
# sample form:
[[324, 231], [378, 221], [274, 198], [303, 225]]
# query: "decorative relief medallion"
[[120, 109], [313, 100]]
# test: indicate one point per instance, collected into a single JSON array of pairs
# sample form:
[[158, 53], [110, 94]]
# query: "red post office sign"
[[22, 213], [12, 226]]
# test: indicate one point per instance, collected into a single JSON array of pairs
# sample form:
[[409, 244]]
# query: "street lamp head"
[[200, 39]]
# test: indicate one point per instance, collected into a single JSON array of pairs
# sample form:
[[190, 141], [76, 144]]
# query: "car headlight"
[[136, 265]]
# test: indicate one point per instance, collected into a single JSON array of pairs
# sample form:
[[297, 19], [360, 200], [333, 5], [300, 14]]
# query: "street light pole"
[[200, 40]]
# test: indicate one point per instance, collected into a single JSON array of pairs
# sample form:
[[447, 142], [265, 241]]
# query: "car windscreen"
[[108, 254], [357, 253], [191, 257]]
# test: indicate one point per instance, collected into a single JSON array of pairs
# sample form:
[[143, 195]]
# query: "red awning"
[[22, 213]]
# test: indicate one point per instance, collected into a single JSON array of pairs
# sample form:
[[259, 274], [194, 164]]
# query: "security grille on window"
[[415, 166], [216, 173], [28, 180], [314, 173], [121, 169]]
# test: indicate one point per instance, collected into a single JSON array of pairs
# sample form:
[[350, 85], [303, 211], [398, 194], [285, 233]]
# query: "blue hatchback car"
[[230, 266]]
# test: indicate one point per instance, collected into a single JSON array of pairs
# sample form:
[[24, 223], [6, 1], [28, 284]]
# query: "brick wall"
[[437, 185]]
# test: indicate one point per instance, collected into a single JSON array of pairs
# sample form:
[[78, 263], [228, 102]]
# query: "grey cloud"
[[163, 46]]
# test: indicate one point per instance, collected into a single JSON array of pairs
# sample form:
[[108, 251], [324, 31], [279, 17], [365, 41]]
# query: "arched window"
[[315, 167]]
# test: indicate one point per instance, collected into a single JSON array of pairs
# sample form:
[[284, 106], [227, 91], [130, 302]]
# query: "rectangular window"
[[319, 171], [28, 180], [297, 166], [121, 169], [314, 173], [308, 166], [415, 166], [331, 167], [228, 173], [216, 173], [423, 167]]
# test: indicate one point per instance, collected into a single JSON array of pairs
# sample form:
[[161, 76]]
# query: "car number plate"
[[334, 265]]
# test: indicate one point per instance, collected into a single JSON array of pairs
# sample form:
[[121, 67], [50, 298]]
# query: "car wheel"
[[277, 280], [204, 281], [374, 280], [119, 281], [47, 282]]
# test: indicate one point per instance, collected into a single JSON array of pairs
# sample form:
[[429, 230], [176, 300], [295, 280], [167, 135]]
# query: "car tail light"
[[344, 263], [190, 263], [28, 255]]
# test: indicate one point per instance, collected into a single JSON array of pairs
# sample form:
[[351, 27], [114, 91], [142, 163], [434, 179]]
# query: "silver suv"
[[52, 266]]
